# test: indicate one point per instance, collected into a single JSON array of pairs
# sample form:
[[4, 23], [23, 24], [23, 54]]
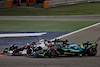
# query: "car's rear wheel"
[[29, 51], [92, 51], [52, 53], [15, 53]]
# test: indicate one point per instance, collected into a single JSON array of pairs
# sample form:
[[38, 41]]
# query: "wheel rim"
[[93, 51], [52, 53]]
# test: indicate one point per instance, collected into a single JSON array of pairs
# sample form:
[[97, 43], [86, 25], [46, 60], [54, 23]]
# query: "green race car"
[[65, 48]]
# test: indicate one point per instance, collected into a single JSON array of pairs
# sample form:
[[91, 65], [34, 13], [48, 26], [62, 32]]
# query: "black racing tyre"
[[52, 53], [29, 51], [92, 51], [14, 53], [37, 55]]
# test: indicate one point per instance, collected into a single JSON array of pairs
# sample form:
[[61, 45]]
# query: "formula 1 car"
[[20, 51], [65, 48], [70, 48], [14, 50]]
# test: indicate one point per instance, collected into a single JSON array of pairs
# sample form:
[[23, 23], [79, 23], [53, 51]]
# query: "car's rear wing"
[[90, 43]]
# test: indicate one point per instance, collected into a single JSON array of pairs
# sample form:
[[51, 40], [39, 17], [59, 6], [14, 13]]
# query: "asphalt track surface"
[[57, 18], [90, 34]]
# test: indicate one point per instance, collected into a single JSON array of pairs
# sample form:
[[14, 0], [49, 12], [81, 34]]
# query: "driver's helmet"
[[40, 38], [66, 40], [33, 43], [28, 44], [15, 45]]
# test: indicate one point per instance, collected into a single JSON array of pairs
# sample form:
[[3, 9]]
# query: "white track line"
[[21, 34], [76, 31]]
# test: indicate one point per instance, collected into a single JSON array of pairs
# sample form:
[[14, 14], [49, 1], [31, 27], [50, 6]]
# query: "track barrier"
[[34, 2], [46, 4], [19, 3], [8, 3]]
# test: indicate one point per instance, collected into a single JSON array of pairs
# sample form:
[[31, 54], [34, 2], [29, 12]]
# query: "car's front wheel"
[[52, 53]]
